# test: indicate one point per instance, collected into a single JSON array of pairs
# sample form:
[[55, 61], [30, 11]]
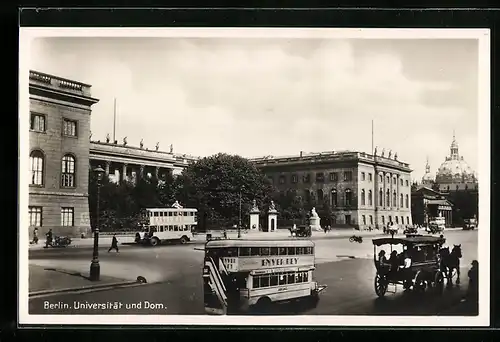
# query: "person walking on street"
[[48, 241], [114, 244], [35, 236]]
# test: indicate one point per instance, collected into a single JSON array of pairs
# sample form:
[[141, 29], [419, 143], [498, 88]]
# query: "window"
[[348, 176], [370, 177], [402, 220], [388, 198], [68, 171], [401, 182], [36, 167], [388, 181], [364, 220], [348, 197], [394, 181], [363, 176], [334, 176], [381, 198], [295, 179], [319, 195], [407, 183], [67, 217], [37, 122], [69, 128], [362, 196], [394, 199], [334, 198], [371, 220], [320, 177], [397, 220], [406, 201], [35, 214], [401, 200], [370, 198], [381, 179], [383, 220], [282, 179], [407, 220], [306, 178]]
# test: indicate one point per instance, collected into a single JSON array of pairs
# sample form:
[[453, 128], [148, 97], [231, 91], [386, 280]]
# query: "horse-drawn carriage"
[[418, 266]]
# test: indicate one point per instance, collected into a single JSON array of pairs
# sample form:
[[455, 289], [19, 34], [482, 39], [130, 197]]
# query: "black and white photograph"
[[247, 176]]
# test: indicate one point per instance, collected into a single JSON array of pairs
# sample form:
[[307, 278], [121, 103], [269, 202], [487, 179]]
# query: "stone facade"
[[351, 183], [60, 112]]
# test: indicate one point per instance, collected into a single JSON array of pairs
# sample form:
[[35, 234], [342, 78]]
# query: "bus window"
[[264, 281], [290, 278], [244, 251], [155, 213], [255, 282], [232, 252], [282, 251], [299, 250], [186, 228], [282, 279], [191, 213], [175, 213], [255, 251], [160, 213], [309, 250], [169, 213], [290, 250], [274, 250], [176, 229], [264, 251]]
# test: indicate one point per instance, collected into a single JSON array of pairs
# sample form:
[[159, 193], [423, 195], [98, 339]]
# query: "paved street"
[[175, 282]]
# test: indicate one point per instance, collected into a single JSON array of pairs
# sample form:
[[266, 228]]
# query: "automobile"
[[470, 224]]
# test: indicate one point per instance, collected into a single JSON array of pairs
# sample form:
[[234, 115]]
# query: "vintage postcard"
[[195, 176]]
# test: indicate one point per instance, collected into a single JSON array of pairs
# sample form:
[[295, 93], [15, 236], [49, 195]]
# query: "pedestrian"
[[48, 240], [35, 236], [114, 244]]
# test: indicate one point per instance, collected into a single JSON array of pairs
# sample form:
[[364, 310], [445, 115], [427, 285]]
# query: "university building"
[[362, 190], [59, 116]]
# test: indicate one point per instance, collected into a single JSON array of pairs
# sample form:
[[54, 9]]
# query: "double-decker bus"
[[250, 275], [164, 224]]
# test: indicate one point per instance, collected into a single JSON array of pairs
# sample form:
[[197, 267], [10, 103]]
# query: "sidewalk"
[[47, 280], [104, 241]]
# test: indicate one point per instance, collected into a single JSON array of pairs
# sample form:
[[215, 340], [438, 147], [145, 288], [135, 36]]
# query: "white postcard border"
[[483, 36]]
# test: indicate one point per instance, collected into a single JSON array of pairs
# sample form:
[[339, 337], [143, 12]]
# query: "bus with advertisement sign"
[[251, 275], [164, 224]]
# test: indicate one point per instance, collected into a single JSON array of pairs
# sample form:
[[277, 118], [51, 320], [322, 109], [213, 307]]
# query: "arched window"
[[36, 167], [401, 182], [406, 201], [334, 198], [381, 179], [397, 220], [68, 171], [388, 198], [370, 198], [394, 199], [381, 198], [388, 181], [401, 200], [348, 197], [320, 195], [362, 196]]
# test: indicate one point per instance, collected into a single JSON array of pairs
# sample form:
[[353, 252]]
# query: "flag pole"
[[114, 121], [372, 137]]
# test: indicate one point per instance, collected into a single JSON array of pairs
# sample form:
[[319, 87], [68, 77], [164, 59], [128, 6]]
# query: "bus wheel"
[[184, 239], [155, 241], [263, 305]]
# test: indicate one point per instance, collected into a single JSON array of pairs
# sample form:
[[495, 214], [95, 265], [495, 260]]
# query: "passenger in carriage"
[[394, 261], [382, 258]]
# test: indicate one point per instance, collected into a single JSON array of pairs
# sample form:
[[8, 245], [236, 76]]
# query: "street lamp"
[[95, 268], [239, 219]]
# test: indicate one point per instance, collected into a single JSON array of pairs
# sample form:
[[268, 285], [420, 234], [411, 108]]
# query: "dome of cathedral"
[[455, 168]]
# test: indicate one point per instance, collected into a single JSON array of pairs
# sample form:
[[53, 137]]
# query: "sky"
[[258, 97]]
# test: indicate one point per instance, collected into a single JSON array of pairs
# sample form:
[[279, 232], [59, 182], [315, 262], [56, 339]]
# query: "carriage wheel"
[[380, 285], [439, 282]]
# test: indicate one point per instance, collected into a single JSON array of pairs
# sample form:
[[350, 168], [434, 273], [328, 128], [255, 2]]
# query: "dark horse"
[[451, 261]]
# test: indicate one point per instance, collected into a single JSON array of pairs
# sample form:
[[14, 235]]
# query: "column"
[[124, 172], [141, 171], [107, 167], [157, 171]]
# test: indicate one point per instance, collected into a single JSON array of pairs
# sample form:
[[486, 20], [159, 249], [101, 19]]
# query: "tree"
[[213, 186]]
